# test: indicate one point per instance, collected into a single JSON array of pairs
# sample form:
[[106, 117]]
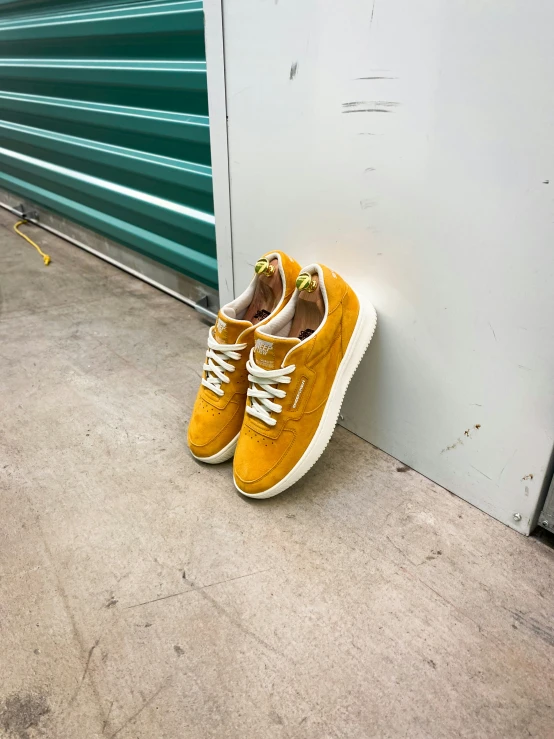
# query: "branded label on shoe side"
[[264, 354], [269, 353], [220, 331]]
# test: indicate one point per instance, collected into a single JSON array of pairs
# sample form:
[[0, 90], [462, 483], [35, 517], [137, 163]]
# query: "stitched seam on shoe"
[[323, 402], [201, 446], [342, 348], [213, 404], [342, 323], [251, 482], [337, 337], [340, 301]]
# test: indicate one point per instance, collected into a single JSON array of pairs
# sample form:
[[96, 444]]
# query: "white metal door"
[[409, 146]]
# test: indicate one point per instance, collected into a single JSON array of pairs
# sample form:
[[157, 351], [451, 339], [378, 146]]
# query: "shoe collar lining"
[[279, 326], [237, 307]]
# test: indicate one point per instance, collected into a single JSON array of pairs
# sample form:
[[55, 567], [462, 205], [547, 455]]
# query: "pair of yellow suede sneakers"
[[279, 361]]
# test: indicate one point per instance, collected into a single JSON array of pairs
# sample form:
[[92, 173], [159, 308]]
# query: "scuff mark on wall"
[[449, 448], [370, 106], [459, 441], [506, 463], [375, 103], [368, 110], [480, 472], [367, 203], [293, 70]]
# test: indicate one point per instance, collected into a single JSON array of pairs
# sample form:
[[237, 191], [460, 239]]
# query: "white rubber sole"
[[222, 456], [361, 337]]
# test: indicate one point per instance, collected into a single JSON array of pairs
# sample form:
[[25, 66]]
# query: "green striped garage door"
[[104, 120]]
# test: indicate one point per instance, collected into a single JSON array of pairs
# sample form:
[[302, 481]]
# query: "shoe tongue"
[[227, 330], [269, 351]]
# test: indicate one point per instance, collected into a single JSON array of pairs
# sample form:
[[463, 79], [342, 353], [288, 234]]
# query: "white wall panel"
[[409, 146]]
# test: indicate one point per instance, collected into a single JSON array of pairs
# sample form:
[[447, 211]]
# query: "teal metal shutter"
[[104, 119]]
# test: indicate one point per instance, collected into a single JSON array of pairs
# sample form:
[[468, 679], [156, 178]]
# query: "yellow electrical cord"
[[44, 256]]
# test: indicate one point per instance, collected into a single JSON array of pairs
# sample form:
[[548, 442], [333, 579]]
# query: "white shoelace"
[[216, 366], [261, 398]]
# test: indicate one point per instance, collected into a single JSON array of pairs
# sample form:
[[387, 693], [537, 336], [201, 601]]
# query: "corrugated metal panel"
[[104, 119]]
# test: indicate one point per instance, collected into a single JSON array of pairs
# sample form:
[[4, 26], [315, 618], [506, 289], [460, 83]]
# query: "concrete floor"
[[142, 598]]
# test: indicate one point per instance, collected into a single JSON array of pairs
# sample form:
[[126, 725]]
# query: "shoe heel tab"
[[290, 267], [283, 257], [335, 286]]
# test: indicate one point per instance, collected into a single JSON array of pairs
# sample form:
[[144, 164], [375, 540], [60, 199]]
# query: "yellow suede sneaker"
[[299, 370], [218, 412]]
